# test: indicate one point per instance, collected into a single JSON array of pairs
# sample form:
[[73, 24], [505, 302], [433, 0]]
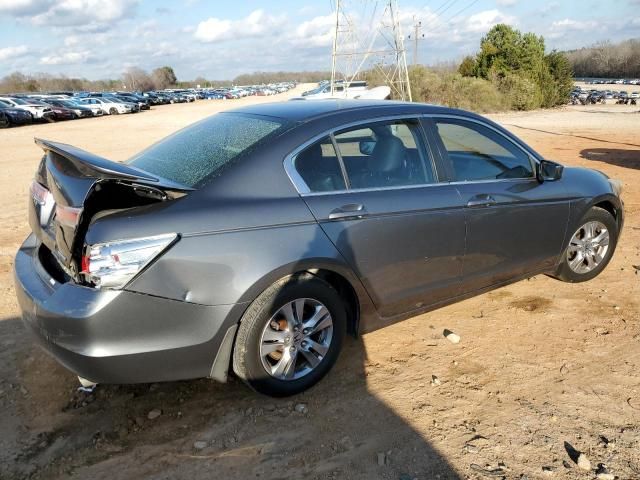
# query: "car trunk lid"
[[72, 186]]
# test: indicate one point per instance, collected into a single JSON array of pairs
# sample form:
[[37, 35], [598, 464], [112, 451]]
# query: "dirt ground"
[[541, 364]]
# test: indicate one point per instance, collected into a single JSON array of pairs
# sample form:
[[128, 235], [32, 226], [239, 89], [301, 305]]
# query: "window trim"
[[343, 169], [304, 190]]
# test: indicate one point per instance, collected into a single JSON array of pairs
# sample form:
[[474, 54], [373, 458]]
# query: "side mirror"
[[367, 146], [549, 171]]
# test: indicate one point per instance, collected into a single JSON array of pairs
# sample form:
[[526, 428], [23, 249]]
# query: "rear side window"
[[203, 150], [384, 154], [477, 152], [319, 167], [375, 155]]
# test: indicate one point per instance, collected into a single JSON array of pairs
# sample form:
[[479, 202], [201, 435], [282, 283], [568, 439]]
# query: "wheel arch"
[[335, 273], [338, 275], [612, 205]]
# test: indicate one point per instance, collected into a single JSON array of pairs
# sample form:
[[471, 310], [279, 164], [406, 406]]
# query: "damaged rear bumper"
[[117, 336]]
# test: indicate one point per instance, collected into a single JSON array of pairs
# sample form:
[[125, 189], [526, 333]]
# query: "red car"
[[62, 113]]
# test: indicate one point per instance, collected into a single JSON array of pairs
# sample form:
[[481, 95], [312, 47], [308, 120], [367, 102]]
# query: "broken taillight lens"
[[39, 193], [114, 264], [68, 216]]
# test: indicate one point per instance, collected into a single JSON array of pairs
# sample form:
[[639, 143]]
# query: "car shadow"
[[337, 429], [614, 156]]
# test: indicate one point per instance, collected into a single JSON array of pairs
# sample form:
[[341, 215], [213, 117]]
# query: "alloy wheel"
[[296, 339], [588, 247]]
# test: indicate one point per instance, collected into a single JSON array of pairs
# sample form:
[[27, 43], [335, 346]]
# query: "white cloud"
[[506, 3], [317, 32], [23, 7], [9, 53], [483, 21], [72, 40], [570, 24], [67, 58], [256, 24], [83, 13], [213, 29]]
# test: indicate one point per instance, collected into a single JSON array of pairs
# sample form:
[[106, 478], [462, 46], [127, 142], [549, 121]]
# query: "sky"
[[216, 39]]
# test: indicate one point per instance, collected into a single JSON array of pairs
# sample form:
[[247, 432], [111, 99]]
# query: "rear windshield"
[[202, 150]]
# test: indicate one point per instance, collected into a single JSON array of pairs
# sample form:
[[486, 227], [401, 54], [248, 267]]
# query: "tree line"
[[607, 60], [137, 79]]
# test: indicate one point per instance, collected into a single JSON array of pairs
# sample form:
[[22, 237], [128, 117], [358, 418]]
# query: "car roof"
[[306, 110]]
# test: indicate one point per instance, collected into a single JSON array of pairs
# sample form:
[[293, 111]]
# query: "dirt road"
[[540, 362]]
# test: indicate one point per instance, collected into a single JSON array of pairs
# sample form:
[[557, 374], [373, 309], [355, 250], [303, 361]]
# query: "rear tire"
[[278, 357], [590, 248], [4, 122]]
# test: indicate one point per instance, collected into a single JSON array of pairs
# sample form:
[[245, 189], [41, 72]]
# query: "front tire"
[[590, 248], [113, 111], [290, 336]]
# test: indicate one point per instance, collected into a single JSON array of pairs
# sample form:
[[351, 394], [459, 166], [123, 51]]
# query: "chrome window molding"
[[419, 185], [303, 189]]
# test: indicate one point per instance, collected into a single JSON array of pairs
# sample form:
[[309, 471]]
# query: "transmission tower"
[[368, 37]]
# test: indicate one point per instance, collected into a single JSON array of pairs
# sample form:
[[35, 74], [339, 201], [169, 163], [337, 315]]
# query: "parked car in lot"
[[141, 102], [96, 108], [13, 116], [61, 113], [257, 238], [37, 110], [214, 96], [78, 110], [108, 106]]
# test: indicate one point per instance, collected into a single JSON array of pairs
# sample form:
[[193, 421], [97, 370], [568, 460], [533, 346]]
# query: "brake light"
[[114, 264], [39, 193], [68, 216]]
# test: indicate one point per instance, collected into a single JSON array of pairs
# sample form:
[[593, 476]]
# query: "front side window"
[[477, 152], [384, 154]]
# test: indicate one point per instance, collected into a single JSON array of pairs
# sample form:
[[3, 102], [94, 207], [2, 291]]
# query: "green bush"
[[520, 92], [454, 90]]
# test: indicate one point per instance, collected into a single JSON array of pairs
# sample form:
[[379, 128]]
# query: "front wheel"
[[113, 111], [290, 336], [590, 248]]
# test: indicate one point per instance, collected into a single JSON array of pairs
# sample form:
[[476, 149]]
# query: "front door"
[[515, 224]]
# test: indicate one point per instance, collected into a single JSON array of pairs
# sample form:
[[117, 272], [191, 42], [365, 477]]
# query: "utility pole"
[[376, 45], [416, 36], [334, 51]]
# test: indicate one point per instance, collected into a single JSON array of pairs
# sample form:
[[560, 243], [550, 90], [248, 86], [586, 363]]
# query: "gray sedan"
[[255, 240]]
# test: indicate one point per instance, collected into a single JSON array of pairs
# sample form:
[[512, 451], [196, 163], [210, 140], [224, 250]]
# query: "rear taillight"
[[114, 264], [68, 216], [39, 193]]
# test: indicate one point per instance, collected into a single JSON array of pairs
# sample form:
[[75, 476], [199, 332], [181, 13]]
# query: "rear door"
[[374, 188], [515, 224]]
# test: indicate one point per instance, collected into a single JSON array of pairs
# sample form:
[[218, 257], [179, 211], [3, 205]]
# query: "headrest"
[[389, 154]]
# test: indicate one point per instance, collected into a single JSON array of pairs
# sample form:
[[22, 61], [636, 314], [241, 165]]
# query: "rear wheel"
[[4, 121], [290, 336], [113, 111], [590, 248]]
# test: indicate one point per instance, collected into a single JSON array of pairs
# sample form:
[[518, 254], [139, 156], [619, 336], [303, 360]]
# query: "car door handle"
[[352, 210], [482, 200]]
